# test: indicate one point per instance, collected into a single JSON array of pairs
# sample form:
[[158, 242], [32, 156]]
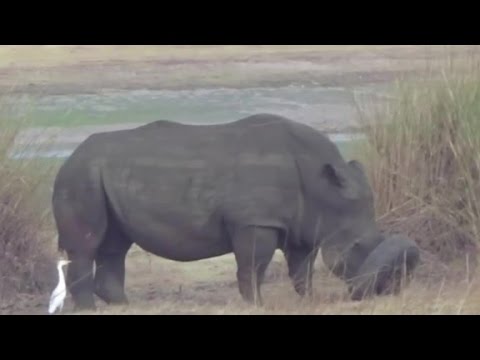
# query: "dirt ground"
[[158, 286]]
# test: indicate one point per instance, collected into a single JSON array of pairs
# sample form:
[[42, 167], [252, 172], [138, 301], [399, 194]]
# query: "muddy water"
[[329, 109]]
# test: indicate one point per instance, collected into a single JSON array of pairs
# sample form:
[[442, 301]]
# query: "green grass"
[[423, 161]]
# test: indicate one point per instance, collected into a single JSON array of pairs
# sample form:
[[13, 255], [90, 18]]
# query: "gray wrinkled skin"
[[187, 193]]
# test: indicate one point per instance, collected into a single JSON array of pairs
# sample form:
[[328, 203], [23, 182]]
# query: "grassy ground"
[[55, 56], [87, 69], [157, 286]]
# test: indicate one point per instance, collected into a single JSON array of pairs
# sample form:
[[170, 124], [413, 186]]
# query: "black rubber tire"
[[382, 270]]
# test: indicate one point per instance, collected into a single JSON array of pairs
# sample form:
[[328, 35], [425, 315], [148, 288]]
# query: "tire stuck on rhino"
[[385, 268]]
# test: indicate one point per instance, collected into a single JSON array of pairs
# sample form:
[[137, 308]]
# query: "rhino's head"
[[352, 245]]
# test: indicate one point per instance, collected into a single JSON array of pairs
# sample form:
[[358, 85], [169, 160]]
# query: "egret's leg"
[[110, 267]]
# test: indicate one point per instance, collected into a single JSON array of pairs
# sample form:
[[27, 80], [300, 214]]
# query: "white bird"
[[60, 292]]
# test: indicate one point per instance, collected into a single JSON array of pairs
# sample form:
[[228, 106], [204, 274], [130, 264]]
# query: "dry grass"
[[52, 56], [156, 286], [89, 68], [25, 249], [423, 160]]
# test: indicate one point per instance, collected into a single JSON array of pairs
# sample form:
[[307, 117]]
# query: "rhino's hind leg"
[[254, 248], [81, 228], [80, 245], [300, 269], [110, 267], [80, 280]]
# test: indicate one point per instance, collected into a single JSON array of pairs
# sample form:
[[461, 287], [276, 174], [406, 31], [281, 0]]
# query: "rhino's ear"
[[334, 175], [338, 176], [357, 165]]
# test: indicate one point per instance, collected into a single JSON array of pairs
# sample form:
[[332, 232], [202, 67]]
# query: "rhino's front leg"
[[254, 248], [300, 269]]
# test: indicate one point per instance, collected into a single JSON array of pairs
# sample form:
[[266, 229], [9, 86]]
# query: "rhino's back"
[[177, 168], [176, 165]]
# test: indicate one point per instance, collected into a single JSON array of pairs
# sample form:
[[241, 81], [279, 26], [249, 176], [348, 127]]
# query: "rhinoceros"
[[190, 192]]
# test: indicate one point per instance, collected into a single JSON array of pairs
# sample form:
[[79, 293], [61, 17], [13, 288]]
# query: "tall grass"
[[423, 158], [25, 244]]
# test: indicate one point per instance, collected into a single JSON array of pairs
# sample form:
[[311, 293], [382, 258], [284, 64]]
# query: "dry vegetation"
[[25, 249], [88, 68], [54, 56], [156, 286], [422, 157]]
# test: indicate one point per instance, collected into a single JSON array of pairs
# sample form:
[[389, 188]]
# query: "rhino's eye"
[[358, 246]]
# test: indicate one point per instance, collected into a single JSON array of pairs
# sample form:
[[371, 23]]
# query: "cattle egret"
[[60, 292]]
